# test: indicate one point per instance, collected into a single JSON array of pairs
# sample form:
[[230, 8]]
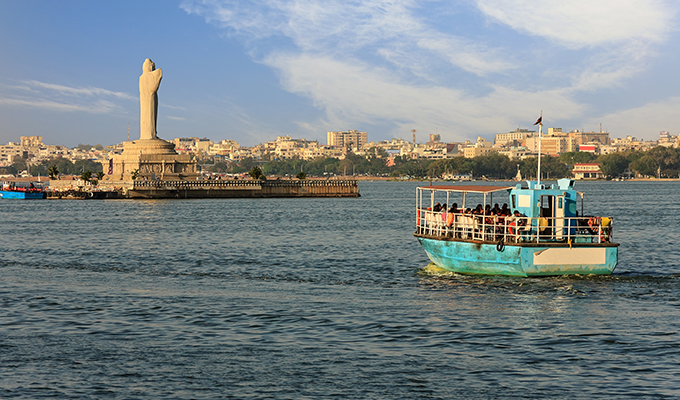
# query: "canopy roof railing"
[[467, 188]]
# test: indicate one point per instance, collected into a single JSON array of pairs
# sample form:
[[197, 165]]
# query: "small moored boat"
[[21, 190]]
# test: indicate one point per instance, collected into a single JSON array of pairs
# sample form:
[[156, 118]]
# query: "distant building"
[[347, 139], [435, 138], [516, 153], [556, 142], [518, 135], [587, 171], [589, 148], [31, 141], [553, 145], [667, 140]]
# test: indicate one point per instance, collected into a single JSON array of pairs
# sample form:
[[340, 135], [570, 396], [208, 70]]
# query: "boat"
[[543, 235], [21, 190]]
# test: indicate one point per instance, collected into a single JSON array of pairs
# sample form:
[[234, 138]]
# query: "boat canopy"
[[467, 188]]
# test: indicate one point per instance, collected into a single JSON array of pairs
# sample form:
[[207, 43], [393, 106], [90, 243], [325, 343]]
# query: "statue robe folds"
[[148, 99]]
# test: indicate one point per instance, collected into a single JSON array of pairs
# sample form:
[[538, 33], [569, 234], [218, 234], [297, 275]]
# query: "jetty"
[[201, 189]]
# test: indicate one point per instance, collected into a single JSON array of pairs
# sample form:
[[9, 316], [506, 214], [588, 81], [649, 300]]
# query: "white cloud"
[[351, 93], [645, 121], [389, 63], [387, 28], [49, 96], [579, 23], [468, 56], [89, 91]]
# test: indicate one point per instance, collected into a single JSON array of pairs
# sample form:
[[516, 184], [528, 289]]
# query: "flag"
[[111, 166], [539, 120]]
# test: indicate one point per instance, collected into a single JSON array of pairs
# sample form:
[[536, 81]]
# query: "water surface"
[[323, 298]]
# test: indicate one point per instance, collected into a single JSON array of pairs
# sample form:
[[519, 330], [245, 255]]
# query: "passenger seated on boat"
[[465, 222], [543, 228], [450, 216], [451, 220], [606, 229], [496, 210], [519, 225], [437, 207], [429, 221]]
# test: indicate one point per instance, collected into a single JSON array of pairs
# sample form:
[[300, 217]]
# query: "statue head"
[[148, 65]]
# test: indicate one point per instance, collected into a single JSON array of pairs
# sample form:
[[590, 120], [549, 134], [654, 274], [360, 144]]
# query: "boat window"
[[546, 206], [514, 206], [524, 200], [559, 202], [572, 207]]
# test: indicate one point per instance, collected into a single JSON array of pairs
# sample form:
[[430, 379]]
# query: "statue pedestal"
[[151, 159]]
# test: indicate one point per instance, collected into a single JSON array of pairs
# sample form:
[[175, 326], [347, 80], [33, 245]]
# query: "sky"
[[253, 70]]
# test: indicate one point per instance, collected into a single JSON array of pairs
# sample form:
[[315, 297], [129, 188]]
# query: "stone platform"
[[199, 189]]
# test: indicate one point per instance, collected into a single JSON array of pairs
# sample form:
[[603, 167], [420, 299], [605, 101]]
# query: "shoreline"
[[47, 180]]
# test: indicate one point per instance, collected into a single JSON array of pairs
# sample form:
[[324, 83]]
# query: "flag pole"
[[540, 132]]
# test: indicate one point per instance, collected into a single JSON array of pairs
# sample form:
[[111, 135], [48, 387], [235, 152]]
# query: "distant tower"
[[414, 136]]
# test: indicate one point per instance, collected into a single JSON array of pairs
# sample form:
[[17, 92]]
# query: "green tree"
[[256, 173], [84, 165], [301, 176], [19, 165], [551, 168], [613, 164], [219, 167], [53, 171], [645, 165], [86, 176], [668, 160], [578, 157]]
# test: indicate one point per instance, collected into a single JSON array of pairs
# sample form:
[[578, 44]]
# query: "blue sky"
[[253, 70]]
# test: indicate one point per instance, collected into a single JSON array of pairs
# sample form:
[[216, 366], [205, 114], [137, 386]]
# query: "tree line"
[[660, 162], [63, 167]]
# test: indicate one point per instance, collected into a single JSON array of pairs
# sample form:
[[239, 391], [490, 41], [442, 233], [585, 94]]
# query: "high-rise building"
[[519, 135], [348, 139]]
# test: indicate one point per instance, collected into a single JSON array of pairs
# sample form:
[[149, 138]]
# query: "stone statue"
[[148, 99]]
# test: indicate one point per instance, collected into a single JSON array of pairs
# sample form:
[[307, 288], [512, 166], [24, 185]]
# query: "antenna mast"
[[414, 136]]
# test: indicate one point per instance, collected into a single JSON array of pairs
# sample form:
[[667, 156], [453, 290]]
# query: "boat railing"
[[22, 186], [511, 229]]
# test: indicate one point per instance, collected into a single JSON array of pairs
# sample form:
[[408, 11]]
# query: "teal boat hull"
[[8, 194], [521, 259]]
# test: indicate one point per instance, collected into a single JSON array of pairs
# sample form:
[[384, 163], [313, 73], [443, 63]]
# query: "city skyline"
[[252, 71]]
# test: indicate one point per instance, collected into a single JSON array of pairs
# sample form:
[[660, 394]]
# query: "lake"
[[323, 298]]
